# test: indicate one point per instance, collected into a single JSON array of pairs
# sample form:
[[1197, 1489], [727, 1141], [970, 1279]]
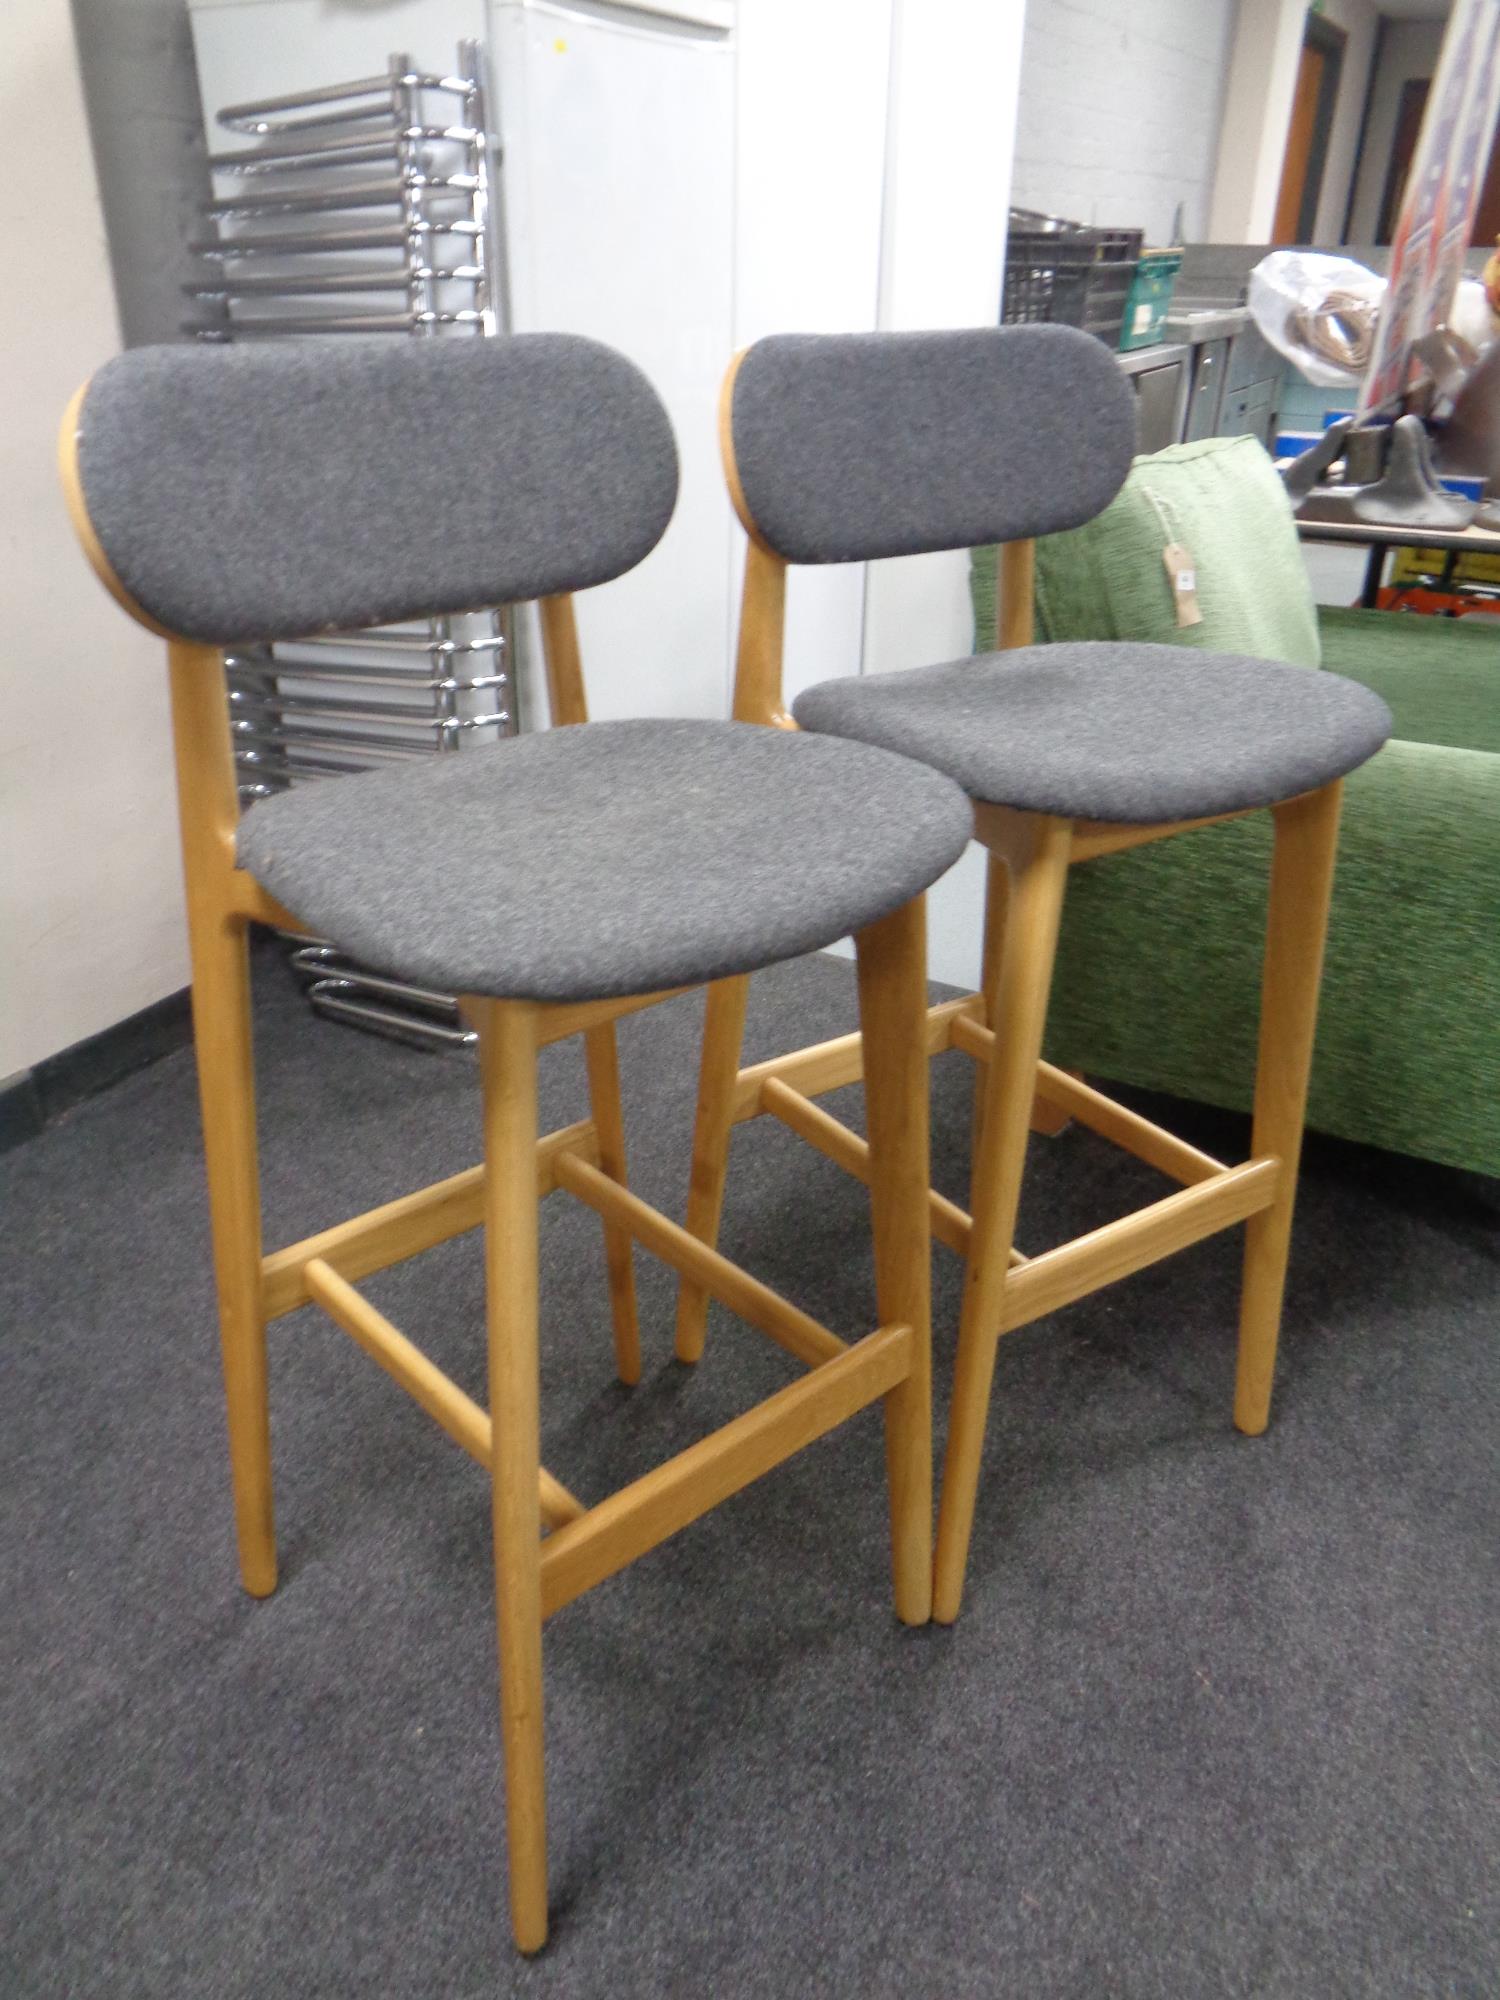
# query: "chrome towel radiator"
[[361, 208]]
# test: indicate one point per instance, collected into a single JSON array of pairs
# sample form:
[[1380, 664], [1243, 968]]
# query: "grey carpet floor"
[[1219, 1718]]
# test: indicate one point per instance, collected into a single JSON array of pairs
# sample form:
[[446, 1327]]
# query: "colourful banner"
[[1442, 194]]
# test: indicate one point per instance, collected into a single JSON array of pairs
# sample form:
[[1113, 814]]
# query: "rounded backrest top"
[[846, 447], [267, 491]]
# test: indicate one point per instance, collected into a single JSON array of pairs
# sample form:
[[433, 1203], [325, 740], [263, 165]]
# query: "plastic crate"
[[1150, 298], [1418, 565], [1066, 273]]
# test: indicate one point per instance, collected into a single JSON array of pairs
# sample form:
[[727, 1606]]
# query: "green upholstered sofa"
[[1157, 976]]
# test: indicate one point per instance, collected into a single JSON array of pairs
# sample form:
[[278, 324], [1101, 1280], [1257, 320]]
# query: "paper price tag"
[[1184, 580]]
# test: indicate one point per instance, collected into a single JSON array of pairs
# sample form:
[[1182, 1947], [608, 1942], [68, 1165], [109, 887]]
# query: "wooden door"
[[1307, 135]]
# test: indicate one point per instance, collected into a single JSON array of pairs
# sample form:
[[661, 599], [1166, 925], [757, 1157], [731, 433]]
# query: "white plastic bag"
[[1471, 315], [1317, 311]]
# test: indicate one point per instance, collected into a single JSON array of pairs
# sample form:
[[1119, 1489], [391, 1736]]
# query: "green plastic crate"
[[1150, 298]]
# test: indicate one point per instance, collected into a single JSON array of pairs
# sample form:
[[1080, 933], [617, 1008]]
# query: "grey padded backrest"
[[852, 446], [260, 492]]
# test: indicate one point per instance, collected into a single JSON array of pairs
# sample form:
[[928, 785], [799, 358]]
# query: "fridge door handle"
[[713, 20]]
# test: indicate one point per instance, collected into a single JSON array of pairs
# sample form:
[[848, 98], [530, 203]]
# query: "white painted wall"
[[1119, 114], [1409, 49], [1359, 20], [1257, 110], [91, 925]]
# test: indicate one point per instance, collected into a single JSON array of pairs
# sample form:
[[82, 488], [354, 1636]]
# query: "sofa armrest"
[[1439, 676]]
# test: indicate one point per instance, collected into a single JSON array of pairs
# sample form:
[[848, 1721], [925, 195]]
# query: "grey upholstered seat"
[[1113, 730], [608, 859]]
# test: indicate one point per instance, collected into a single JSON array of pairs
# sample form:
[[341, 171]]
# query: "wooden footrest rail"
[[847, 1150], [1213, 1195], [400, 1229], [950, 1223], [830, 1065], [953, 1024], [785, 1323], [650, 1509], [1126, 1129], [459, 1415], [1057, 1277], [589, 1544]]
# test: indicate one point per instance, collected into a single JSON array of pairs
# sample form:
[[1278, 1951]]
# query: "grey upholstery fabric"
[[611, 858], [261, 492], [1116, 731], [851, 446]]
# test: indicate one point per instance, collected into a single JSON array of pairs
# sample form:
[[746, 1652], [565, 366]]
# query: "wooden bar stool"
[[851, 447], [269, 492]]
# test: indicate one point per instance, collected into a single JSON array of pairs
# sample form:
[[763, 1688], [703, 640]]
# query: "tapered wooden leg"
[[1045, 1118], [1296, 927], [1037, 856], [996, 903], [226, 1085], [723, 1035], [208, 807], [507, 1036], [892, 958], [603, 1061]]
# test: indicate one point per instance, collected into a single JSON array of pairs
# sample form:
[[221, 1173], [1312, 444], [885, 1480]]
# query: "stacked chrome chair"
[[648, 857]]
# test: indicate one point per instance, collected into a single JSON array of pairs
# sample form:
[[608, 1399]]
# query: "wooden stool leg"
[[1038, 861], [602, 1058], [892, 1012], [226, 1085], [1045, 1118], [507, 1038], [723, 1034], [996, 904], [1296, 927]]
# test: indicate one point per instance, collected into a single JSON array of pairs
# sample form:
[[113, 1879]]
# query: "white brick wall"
[[1119, 115]]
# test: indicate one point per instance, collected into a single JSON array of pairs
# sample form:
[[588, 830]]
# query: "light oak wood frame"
[[1001, 1028], [534, 1577]]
